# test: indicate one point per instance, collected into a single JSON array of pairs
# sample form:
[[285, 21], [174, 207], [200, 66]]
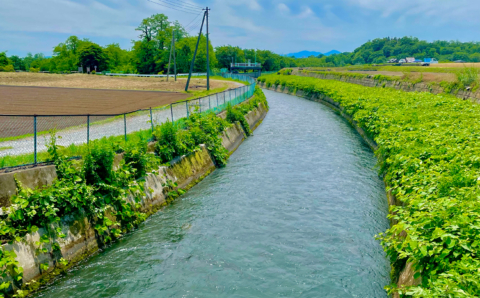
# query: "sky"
[[282, 26]]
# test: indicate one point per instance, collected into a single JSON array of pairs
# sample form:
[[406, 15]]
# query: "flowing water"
[[293, 214]]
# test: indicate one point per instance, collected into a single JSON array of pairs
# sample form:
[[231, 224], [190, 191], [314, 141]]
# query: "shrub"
[[33, 69], [234, 115], [98, 163], [467, 76], [7, 68], [167, 147], [136, 156]]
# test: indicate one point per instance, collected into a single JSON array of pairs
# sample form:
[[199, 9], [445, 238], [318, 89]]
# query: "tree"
[[91, 55], [17, 62], [145, 56], [3, 59]]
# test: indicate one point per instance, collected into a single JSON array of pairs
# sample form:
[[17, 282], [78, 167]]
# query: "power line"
[[179, 6], [192, 21], [176, 4], [194, 26], [174, 8], [186, 4]]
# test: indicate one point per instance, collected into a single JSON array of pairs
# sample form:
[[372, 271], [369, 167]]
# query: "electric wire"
[[192, 21], [195, 29], [186, 4], [176, 4], [174, 8], [195, 26]]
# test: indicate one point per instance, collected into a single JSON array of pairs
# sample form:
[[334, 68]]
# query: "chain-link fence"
[[24, 139]]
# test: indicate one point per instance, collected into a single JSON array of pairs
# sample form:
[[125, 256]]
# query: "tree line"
[[381, 50], [150, 53]]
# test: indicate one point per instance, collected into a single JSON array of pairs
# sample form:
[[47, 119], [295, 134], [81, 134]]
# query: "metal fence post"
[[125, 124], [187, 108], [88, 129], [217, 101], [171, 111], [151, 118], [35, 139], [209, 104]]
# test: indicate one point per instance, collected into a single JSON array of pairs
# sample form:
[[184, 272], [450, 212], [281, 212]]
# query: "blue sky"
[[283, 26]]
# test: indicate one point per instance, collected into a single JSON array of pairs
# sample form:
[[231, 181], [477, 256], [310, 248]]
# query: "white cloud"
[[283, 8], [306, 12]]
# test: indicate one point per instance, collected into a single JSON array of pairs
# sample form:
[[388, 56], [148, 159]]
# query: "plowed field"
[[64, 101]]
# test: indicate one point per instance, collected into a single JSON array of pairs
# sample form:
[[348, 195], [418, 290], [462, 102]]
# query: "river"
[[293, 214]]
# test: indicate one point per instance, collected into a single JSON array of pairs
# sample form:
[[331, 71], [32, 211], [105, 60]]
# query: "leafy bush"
[[136, 156], [98, 164], [168, 146], [7, 68], [234, 115], [33, 69], [467, 76], [428, 153], [285, 71]]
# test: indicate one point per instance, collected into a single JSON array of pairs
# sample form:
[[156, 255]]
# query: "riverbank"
[[415, 84], [429, 243], [47, 250]]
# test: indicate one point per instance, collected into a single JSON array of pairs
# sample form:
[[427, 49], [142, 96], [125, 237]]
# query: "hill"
[[306, 54], [331, 53], [381, 50]]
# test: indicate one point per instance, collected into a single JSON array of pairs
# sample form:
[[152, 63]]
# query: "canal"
[[293, 214]]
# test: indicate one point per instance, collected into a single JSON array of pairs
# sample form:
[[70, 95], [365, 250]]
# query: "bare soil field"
[[63, 101], [66, 101], [106, 82]]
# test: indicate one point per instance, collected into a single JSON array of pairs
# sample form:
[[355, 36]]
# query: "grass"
[[5, 148]]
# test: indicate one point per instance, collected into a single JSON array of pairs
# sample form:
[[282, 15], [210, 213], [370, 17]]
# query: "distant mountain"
[[303, 54], [332, 52], [306, 54]]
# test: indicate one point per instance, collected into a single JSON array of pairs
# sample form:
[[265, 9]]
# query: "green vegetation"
[[467, 76], [108, 197], [380, 50], [428, 154]]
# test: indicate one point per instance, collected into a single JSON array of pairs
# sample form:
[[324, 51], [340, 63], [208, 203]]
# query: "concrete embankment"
[[81, 239], [371, 81], [406, 277]]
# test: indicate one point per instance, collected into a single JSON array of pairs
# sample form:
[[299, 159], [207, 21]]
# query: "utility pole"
[[170, 58], [208, 57], [174, 56], [195, 54]]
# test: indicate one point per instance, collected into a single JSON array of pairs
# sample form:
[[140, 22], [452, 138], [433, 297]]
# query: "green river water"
[[293, 214]]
